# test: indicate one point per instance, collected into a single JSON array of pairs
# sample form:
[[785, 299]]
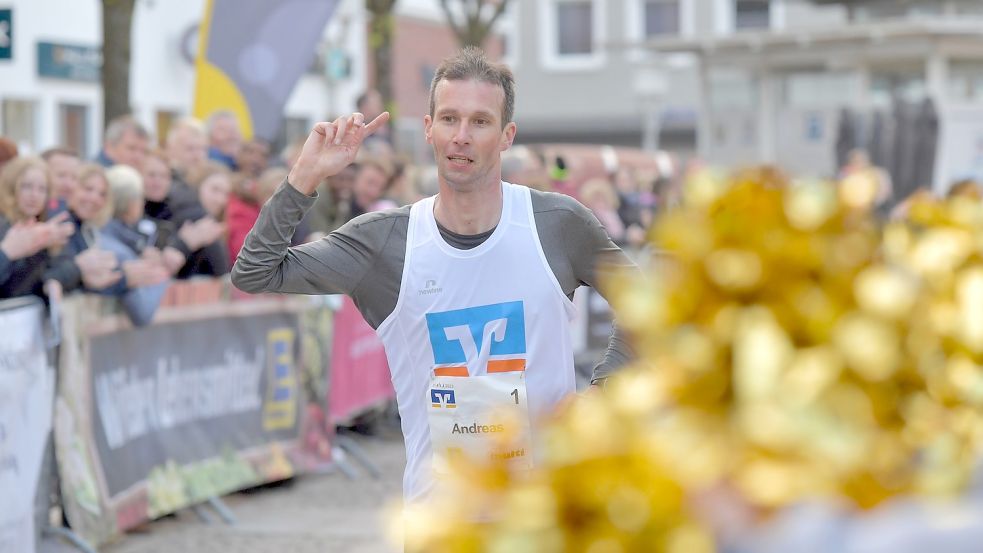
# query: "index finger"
[[374, 125]]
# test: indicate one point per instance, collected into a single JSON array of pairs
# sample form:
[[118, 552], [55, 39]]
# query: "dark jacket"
[[181, 206], [23, 277]]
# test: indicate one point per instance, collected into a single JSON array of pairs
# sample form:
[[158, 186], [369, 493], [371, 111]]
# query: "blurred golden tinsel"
[[790, 347]]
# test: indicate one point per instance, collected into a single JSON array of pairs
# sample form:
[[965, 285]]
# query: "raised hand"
[[330, 148]]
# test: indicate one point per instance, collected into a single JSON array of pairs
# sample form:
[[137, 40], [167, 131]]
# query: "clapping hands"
[[26, 238], [98, 268], [200, 233]]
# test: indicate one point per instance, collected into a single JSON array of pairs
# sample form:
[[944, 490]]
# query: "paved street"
[[319, 513]]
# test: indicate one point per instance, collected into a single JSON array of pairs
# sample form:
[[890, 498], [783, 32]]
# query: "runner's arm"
[[333, 265], [593, 256]]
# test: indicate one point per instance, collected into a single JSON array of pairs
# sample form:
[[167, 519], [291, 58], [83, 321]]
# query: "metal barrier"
[[27, 387]]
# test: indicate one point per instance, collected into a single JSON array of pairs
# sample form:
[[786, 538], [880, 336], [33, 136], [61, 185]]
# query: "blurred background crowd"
[[135, 216]]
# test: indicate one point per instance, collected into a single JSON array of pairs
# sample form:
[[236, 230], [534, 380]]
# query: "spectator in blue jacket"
[[130, 236]]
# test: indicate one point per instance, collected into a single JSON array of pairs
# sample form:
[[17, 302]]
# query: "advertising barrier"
[[206, 400], [360, 378], [26, 395]]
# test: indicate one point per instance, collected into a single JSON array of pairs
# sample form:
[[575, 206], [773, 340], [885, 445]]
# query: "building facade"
[[50, 93], [829, 73]]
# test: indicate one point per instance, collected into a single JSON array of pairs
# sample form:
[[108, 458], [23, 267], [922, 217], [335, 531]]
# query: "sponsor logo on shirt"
[[464, 340], [430, 288], [443, 398]]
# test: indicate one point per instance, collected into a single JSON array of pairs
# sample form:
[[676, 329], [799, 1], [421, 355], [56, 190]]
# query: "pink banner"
[[360, 376]]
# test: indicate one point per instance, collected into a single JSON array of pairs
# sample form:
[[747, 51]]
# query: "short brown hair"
[[471, 63]]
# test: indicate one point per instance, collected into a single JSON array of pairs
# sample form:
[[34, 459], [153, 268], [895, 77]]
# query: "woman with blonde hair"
[[88, 207], [26, 237]]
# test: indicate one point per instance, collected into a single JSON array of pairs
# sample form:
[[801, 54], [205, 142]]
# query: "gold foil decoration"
[[791, 346]]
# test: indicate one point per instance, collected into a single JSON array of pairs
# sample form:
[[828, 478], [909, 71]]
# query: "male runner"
[[470, 290]]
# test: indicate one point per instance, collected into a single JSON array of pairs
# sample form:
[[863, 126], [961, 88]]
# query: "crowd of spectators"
[[137, 216]]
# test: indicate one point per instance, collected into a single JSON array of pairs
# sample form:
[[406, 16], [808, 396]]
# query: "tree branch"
[[459, 30]]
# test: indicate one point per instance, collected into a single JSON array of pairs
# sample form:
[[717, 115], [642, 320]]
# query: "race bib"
[[482, 417]]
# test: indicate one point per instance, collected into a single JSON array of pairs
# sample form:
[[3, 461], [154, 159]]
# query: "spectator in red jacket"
[[247, 199]]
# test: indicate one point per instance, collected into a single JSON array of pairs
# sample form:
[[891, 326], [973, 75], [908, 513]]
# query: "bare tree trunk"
[[472, 29], [380, 46], [117, 24]]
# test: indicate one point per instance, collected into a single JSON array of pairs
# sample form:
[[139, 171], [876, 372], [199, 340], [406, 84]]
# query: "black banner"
[[233, 384]]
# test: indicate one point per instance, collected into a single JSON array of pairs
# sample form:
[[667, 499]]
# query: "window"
[[819, 89], [903, 83], [752, 14], [20, 124], [574, 30], [507, 27], [660, 18], [732, 89], [73, 121], [647, 20], [966, 81]]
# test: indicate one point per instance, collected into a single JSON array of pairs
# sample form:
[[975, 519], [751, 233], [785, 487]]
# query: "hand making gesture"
[[330, 148]]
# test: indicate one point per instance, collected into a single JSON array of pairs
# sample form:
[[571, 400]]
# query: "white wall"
[[33, 20]]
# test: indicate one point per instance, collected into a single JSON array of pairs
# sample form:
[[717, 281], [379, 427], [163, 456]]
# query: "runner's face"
[[467, 134]]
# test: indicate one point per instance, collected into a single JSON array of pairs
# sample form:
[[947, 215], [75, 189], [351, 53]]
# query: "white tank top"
[[506, 277]]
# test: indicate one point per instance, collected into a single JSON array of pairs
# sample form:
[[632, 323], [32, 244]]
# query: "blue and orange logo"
[[490, 336], [443, 398]]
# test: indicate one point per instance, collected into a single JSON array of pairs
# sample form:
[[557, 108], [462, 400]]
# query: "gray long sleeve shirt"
[[364, 258]]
